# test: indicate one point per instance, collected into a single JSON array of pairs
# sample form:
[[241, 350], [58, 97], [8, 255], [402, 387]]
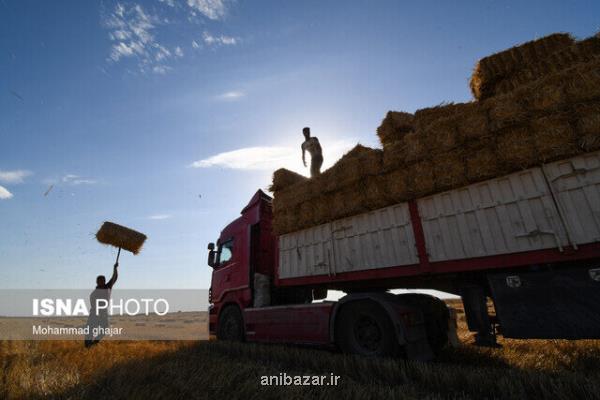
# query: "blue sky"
[[166, 116]]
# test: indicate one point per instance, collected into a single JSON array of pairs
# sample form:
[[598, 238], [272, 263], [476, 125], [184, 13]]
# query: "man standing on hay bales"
[[312, 145], [98, 319]]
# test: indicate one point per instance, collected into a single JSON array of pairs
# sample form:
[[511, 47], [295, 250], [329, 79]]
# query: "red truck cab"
[[247, 249]]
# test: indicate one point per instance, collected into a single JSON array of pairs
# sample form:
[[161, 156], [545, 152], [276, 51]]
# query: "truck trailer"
[[529, 242]]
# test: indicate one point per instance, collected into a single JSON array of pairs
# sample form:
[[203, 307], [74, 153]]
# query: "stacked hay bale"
[[351, 186], [535, 103]]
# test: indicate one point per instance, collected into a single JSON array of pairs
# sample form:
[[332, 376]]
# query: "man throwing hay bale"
[[312, 145], [123, 238]]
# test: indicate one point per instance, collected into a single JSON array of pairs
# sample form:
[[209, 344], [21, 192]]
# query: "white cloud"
[[161, 69], [5, 194], [170, 3], [233, 95], [16, 176], [158, 217], [212, 9], [132, 31], [71, 179], [220, 40], [195, 44], [178, 52], [272, 158]]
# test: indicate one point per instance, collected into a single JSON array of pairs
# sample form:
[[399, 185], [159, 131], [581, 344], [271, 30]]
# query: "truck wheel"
[[436, 316], [364, 328], [231, 325]]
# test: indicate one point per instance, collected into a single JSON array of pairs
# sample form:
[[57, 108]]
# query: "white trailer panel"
[[541, 208]]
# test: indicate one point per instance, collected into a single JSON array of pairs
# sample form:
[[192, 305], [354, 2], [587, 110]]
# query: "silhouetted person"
[[312, 145], [99, 318]]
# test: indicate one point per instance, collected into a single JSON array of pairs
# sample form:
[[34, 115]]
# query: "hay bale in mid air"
[[516, 149], [394, 126], [283, 178], [554, 138], [587, 126], [120, 236]]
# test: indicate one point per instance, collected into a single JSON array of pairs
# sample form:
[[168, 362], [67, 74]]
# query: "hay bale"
[[449, 172], [554, 138], [506, 110], [396, 183], [348, 201], [441, 135], [375, 193], [582, 82], [426, 116], [120, 236], [587, 126], [394, 126], [516, 149], [421, 178], [491, 69], [285, 221], [482, 161], [547, 94], [473, 122], [283, 178], [394, 155], [359, 162], [409, 149], [324, 209]]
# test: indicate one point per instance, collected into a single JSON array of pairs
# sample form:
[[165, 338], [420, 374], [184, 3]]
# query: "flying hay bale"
[[554, 138], [516, 149], [394, 126], [491, 69], [482, 161], [283, 178], [122, 237], [449, 172], [587, 117], [421, 178]]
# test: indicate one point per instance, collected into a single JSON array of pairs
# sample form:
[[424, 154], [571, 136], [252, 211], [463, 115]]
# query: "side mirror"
[[211, 255]]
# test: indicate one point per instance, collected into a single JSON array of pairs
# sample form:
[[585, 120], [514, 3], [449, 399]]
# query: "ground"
[[540, 369]]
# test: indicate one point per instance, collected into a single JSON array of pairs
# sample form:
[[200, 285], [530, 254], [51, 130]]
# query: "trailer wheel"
[[436, 316], [364, 328], [231, 325]]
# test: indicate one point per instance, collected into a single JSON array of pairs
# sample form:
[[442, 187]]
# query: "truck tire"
[[363, 327], [231, 324], [436, 316]]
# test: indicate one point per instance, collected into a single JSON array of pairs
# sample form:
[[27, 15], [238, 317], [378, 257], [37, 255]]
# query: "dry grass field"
[[536, 369]]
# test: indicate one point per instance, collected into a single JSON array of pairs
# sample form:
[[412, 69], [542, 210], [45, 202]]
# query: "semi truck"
[[527, 242]]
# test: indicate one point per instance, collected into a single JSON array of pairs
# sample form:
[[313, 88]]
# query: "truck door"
[[230, 277]]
